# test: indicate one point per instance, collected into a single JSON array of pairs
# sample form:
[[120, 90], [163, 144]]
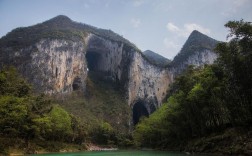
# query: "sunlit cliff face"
[[58, 66]]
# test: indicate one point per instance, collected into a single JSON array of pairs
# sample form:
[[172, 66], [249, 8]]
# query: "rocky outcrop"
[[198, 50], [148, 83], [51, 65], [197, 59], [61, 61]]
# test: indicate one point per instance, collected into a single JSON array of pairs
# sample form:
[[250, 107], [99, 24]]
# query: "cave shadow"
[[139, 110], [93, 59]]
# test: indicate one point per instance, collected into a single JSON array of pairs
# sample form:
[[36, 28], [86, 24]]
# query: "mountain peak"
[[60, 20], [200, 40], [196, 42], [196, 32], [196, 35]]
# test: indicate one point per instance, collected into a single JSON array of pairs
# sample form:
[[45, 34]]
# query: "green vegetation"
[[102, 110], [25, 117], [156, 58], [38, 122], [207, 102]]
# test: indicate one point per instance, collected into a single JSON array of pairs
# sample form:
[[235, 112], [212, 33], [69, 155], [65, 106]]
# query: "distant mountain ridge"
[[156, 58]]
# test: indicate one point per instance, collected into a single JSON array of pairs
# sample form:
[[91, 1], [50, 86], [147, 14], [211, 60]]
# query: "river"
[[120, 153]]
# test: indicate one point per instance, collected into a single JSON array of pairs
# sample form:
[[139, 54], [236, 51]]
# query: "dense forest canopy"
[[26, 118]]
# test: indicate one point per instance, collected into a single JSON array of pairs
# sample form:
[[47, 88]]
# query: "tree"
[[60, 122], [235, 58], [13, 113], [11, 83]]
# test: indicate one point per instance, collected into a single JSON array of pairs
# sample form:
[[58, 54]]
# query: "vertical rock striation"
[[147, 83], [56, 57]]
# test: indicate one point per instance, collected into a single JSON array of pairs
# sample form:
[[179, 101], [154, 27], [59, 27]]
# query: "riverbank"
[[233, 141], [93, 147], [16, 146]]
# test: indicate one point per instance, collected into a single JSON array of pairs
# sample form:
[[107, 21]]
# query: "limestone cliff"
[[148, 84], [56, 56], [197, 59], [198, 50], [51, 65]]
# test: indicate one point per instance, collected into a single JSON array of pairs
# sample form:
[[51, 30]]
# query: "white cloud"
[[171, 47], [192, 26], [186, 29], [171, 27], [170, 44], [137, 3], [173, 43], [135, 22]]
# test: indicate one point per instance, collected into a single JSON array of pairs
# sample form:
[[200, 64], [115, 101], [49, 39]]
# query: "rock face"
[[57, 66], [51, 65], [198, 59], [58, 58], [148, 85], [198, 50]]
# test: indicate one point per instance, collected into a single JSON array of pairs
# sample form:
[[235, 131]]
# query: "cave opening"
[[93, 60], [77, 84], [139, 110]]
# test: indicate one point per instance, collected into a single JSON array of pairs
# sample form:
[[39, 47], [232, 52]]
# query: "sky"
[[158, 25]]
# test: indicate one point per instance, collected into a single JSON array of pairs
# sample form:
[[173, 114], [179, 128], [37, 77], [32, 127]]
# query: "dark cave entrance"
[[139, 110], [77, 84], [93, 60]]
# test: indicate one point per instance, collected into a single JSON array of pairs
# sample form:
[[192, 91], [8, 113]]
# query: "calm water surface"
[[119, 153]]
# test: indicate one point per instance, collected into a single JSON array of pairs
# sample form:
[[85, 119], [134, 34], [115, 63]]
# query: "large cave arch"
[[139, 110], [93, 61]]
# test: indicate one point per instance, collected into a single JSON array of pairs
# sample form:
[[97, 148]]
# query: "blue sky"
[[159, 25]]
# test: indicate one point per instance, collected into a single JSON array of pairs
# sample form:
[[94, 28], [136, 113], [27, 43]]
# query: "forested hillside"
[[30, 122], [209, 109], [156, 58]]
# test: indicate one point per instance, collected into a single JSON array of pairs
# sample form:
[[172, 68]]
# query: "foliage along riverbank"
[[209, 109], [30, 122]]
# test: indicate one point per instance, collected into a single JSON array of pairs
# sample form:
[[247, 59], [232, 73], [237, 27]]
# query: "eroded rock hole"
[[139, 110], [93, 60], [77, 84]]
